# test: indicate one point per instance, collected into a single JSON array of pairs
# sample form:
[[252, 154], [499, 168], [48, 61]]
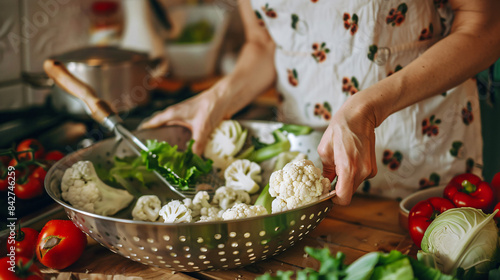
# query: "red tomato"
[[53, 156], [39, 174], [30, 144], [423, 213], [12, 162], [22, 267], [60, 244], [24, 243], [29, 189], [21, 169]]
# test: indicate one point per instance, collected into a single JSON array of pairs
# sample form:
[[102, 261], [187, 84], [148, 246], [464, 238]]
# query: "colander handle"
[[100, 109]]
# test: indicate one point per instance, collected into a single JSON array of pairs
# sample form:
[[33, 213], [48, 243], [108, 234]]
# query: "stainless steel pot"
[[120, 77]]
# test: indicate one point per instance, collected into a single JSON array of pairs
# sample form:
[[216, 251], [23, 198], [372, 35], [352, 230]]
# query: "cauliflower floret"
[[287, 157], [201, 209], [210, 214], [199, 201], [147, 208], [82, 188], [225, 141], [243, 174], [175, 212], [226, 197], [202, 199], [242, 210], [297, 184]]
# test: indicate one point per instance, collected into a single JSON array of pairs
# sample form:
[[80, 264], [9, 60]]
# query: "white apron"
[[327, 50]]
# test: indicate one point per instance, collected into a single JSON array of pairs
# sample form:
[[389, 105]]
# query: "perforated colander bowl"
[[193, 246]]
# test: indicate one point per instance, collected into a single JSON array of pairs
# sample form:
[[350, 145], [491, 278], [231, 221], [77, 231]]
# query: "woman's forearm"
[[253, 74], [472, 46]]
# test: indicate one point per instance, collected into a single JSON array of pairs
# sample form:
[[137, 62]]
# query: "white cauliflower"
[[226, 197], [200, 200], [201, 208], [82, 188], [210, 214], [286, 157], [242, 210], [297, 184], [175, 212], [243, 174], [225, 141], [147, 208]]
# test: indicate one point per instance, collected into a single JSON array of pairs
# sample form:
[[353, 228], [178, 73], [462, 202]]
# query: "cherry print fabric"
[[328, 50]]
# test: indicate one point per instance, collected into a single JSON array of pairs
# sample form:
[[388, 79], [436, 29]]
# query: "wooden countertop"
[[368, 224]]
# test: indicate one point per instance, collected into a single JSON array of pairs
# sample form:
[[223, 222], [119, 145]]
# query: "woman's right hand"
[[201, 114], [347, 148]]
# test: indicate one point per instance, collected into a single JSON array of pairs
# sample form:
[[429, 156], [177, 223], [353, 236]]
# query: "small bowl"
[[191, 61], [408, 202]]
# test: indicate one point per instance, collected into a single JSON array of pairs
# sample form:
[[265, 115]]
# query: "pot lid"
[[97, 56]]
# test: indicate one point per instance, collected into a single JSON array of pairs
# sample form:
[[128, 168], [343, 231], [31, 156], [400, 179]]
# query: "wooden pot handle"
[[100, 109]]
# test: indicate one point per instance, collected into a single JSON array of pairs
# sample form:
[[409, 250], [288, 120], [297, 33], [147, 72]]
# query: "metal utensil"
[[192, 246], [100, 110]]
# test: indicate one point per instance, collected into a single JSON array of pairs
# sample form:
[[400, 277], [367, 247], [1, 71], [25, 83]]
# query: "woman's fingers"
[[200, 136], [344, 188], [325, 151], [157, 120], [356, 164]]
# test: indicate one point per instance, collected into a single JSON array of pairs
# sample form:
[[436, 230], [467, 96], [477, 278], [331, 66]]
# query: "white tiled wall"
[[52, 26], [30, 32], [10, 41]]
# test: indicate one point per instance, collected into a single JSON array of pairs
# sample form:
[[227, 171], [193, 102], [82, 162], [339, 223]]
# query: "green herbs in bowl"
[[195, 33]]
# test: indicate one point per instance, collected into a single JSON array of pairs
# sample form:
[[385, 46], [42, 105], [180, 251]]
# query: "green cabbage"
[[463, 238]]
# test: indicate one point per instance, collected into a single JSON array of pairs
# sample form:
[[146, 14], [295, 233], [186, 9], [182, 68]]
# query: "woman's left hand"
[[347, 149]]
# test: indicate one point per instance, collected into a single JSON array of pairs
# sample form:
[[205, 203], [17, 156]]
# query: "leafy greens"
[[181, 168], [373, 266]]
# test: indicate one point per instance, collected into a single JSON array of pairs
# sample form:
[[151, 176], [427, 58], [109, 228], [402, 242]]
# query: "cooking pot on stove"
[[121, 77]]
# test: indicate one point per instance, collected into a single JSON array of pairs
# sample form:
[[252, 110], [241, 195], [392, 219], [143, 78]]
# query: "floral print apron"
[[327, 50]]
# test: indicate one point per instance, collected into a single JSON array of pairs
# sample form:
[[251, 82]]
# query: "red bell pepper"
[[497, 215], [495, 186], [423, 213], [468, 190]]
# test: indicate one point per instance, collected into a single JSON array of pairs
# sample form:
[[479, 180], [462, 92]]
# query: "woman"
[[390, 80]]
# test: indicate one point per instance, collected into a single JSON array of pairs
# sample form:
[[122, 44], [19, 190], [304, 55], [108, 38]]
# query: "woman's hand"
[[347, 149], [201, 114], [253, 74]]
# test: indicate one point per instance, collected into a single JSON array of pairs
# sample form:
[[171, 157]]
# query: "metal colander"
[[193, 246]]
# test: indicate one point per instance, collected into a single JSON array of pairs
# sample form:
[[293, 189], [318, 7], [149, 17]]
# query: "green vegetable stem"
[[260, 152], [265, 199], [296, 129]]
